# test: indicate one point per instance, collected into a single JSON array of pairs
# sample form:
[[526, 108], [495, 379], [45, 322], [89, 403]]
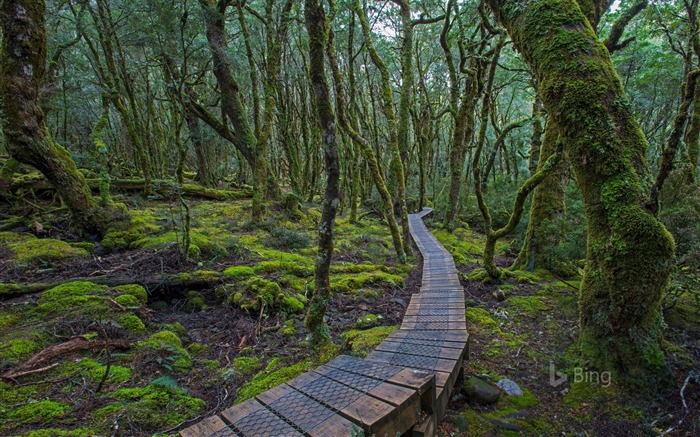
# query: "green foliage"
[[288, 239]]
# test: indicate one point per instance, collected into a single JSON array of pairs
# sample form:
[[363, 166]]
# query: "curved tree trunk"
[[630, 253], [22, 64]]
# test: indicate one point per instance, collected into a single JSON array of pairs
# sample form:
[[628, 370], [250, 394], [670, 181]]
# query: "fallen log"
[[172, 282], [162, 187], [45, 356]]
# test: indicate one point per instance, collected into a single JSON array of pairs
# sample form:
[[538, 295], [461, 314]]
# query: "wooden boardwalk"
[[402, 387]]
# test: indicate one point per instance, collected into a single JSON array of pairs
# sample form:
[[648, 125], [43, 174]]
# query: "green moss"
[[96, 371], [123, 234], [8, 319], [348, 282], [368, 320], [128, 301], [246, 365], [42, 411], [362, 342], [45, 249], [195, 301], [162, 339], [465, 246], [288, 328], [131, 323], [175, 327], [526, 400], [530, 305], [55, 432], [480, 316], [239, 272], [197, 348], [273, 375], [79, 296], [257, 291], [300, 270], [135, 290], [18, 349], [152, 407], [292, 304]]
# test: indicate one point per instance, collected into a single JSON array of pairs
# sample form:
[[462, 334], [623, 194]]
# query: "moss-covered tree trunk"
[[366, 150], [630, 253], [316, 27], [544, 230], [232, 102], [387, 100], [22, 67]]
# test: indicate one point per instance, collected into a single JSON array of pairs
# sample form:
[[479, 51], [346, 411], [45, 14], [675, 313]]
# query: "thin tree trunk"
[[316, 27]]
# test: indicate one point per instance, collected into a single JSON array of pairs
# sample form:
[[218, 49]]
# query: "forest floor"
[[116, 359]]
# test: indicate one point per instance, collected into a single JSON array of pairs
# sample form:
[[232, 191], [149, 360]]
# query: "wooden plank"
[[309, 416], [251, 418], [420, 349], [209, 427], [375, 416]]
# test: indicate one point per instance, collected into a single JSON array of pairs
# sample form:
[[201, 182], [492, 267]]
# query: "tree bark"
[[22, 68], [316, 27], [630, 253]]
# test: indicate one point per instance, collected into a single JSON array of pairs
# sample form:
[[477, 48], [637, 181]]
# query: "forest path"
[[403, 385]]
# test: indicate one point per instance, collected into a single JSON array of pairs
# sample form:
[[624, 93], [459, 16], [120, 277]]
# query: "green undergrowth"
[[27, 248], [465, 245], [137, 385]]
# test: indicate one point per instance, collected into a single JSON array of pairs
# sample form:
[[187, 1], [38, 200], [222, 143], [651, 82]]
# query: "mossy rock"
[[195, 301], [135, 290], [166, 348], [131, 323], [362, 342], [72, 297], [124, 234], [128, 301], [27, 249], [258, 291], [368, 321]]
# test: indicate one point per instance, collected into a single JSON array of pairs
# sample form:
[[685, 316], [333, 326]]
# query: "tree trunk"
[[316, 27], [544, 229], [630, 253], [22, 64]]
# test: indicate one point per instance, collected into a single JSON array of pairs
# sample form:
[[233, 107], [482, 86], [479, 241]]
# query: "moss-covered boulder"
[[27, 248]]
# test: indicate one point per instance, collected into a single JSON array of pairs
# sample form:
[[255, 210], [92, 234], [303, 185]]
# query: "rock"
[[510, 387], [480, 391], [499, 295], [400, 301], [461, 423]]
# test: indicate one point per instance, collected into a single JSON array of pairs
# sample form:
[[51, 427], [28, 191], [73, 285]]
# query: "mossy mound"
[[350, 282], [362, 341], [123, 234], [274, 374], [258, 291], [156, 406], [27, 248]]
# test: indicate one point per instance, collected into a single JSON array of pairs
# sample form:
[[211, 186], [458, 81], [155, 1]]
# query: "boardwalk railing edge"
[[402, 386]]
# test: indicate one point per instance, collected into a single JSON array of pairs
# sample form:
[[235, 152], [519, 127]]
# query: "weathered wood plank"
[[209, 427], [251, 418]]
